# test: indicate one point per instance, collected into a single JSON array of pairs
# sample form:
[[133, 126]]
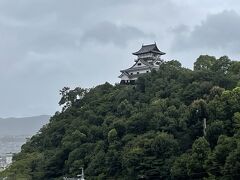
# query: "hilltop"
[[150, 130]]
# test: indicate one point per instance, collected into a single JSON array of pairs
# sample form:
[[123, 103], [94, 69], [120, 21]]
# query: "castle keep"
[[148, 58]]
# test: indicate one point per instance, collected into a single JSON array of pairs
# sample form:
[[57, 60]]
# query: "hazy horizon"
[[22, 125], [21, 117], [14, 131]]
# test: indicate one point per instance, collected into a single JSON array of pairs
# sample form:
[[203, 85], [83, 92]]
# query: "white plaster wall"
[[124, 78], [141, 71]]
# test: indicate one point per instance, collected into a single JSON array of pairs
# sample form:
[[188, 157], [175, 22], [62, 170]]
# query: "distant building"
[[148, 58]]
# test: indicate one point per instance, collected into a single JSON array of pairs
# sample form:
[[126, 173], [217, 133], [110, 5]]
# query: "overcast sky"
[[48, 44]]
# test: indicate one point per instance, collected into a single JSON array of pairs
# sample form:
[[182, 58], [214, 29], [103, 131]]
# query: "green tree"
[[232, 165], [179, 169], [200, 152], [214, 130], [204, 62], [216, 160]]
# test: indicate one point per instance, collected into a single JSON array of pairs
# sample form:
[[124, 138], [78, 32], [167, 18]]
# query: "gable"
[[138, 64], [123, 76]]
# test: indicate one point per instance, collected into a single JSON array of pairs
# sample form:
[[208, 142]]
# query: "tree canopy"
[[150, 130]]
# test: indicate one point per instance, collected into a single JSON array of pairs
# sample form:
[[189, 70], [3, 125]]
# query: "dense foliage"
[[150, 130]]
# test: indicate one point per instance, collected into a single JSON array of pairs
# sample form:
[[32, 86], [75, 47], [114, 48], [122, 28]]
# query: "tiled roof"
[[136, 69], [149, 48], [147, 66], [131, 75]]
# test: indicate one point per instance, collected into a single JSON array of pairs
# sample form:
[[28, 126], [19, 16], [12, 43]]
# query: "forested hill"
[[150, 130]]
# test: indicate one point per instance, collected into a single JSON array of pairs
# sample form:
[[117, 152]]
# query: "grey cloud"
[[119, 35], [217, 31], [182, 28], [45, 45]]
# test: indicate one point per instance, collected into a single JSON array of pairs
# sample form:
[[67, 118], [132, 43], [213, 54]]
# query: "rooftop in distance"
[[148, 49]]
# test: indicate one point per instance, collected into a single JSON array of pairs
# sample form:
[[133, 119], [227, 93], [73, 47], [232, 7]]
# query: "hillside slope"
[[152, 130]]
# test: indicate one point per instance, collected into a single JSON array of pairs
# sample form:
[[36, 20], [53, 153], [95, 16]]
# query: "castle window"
[[131, 73], [137, 72], [139, 64], [147, 71]]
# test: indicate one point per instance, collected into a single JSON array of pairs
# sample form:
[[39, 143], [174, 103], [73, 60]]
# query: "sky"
[[46, 45]]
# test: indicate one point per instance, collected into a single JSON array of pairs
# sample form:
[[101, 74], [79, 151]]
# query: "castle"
[[148, 58]]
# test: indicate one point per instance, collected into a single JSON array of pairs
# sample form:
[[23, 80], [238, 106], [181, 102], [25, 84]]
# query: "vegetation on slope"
[[152, 130]]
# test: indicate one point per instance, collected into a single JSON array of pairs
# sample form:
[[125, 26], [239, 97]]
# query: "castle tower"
[[148, 58]]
